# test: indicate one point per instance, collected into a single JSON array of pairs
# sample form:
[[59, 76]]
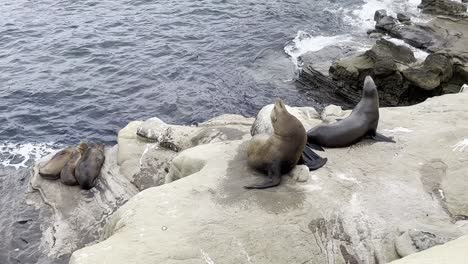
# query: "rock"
[[175, 138], [146, 148], [262, 124], [453, 252], [386, 23], [322, 59], [464, 88], [75, 217], [384, 62], [333, 112], [422, 236], [437, 68], [403, 17], [379, 14], [442, 7], [376, 35], [207, 212]]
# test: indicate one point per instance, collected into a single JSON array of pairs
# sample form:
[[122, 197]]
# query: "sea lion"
[[67, 175], [362, 122], [90, 165], [51, 170], [278, 153]]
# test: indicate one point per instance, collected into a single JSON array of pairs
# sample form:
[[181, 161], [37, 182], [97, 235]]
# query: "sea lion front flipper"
[[311, 159], [274, 173], [314, 146], [382, 138]]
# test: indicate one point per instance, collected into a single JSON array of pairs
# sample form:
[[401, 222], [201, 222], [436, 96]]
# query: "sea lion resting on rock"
[[89, 167], [51, 170], [67, 175], [362, 122], [278, 153]]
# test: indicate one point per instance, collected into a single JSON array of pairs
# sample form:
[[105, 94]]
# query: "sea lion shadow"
[[278, 199]]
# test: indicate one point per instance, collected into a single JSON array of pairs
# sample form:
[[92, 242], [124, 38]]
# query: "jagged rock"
[[386, 23], [442, 7], [262, 123], [379, 14], [403, 17], [76, 215], [437, 68], [383, 62], [453, 252], [207, 212]]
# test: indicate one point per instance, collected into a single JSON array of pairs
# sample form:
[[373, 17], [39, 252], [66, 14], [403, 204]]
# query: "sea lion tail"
[[274, 172], [314, 146], [382, 138], [311, 159]]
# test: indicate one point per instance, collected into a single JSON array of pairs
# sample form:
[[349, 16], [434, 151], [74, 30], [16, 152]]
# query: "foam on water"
[[21, 155], [420, 55], [364, 17], [360, 20], [304, 42]]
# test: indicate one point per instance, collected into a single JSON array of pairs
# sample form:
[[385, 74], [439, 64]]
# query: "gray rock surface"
[[454, 252], [76, 216], [262, 124], [442, 7], [351, 211], [384, 62]]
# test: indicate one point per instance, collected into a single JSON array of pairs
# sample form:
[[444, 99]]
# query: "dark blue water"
[[81, 70]]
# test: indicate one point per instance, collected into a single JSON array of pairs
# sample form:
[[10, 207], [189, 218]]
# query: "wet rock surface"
[[402, 80], [442, 7], [330, 213]]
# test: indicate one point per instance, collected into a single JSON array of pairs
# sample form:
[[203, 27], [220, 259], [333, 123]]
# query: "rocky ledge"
[[402, 78], [371, 203]]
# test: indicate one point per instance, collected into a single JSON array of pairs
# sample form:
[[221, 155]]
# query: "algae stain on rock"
[[275, 200]]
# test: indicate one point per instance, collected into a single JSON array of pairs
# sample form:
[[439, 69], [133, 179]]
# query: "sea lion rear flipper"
[[311, 159], [314, 146], [274, 173], [382, 138]]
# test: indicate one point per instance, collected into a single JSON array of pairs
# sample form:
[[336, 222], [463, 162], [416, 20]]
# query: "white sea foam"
[[21, 155], [304, 42], [360, 20], [364, 17], [420, 55]]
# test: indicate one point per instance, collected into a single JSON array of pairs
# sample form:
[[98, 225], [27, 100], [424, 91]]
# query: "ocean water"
[[81, 70]]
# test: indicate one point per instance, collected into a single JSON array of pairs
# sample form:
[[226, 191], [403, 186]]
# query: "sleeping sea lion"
[[362, 122], [90, 165], [278, 153], [51, 170], [67, 175]]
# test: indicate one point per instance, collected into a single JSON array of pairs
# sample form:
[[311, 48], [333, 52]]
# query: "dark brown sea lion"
[[278, 153], [362, 122], [67, 175], [51, 170], [90, 165]]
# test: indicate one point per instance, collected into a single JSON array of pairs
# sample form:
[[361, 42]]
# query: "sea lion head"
[[82, 147], [280, 117], [369, 89]]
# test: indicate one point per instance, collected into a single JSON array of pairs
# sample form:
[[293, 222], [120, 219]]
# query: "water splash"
[[304, 42], [21, 155]]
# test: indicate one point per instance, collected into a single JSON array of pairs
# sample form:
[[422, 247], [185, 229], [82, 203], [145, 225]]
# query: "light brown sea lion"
[[278, 153], [362, 122], [89, 168], [51, 170], [67, 175]]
